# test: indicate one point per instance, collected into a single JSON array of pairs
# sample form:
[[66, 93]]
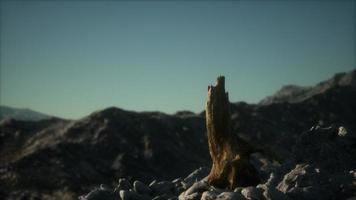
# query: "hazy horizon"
[[69, 59], [108, 106]]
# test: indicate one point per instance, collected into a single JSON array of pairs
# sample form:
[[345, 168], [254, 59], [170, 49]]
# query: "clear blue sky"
[[71, 58]]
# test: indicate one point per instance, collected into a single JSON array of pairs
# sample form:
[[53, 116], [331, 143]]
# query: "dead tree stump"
[[230, 163]]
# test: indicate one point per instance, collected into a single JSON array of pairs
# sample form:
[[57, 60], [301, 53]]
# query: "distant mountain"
[[294, 93], [53, 158], [21, 114]]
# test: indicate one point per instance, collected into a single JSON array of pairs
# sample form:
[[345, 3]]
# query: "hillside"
[[25, 114]]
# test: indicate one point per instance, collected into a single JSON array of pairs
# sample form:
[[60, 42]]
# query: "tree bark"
[[230, 163]]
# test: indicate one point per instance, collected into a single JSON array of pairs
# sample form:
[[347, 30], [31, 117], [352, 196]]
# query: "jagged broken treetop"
[[231, 165]]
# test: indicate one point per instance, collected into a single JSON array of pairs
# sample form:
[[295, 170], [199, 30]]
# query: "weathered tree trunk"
[[231, 165]]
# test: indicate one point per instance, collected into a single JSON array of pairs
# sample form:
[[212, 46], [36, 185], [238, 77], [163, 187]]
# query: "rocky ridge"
[[295, 94], [24, 114]]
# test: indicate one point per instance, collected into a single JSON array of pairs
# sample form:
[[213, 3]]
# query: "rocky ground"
[[323, 167], [63, 159]]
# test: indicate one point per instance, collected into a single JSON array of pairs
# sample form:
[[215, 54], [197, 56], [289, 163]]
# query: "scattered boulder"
[[209, 195], [238, 189], [293, 178], [305, 182], [252, 193], [141, 188], [124, 184], [162, 187], [164, 197], [193, 196], [199, 187], [99, 194], [131, 195], [195, 190], [269, 190], [230, 196], [195, 176]]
